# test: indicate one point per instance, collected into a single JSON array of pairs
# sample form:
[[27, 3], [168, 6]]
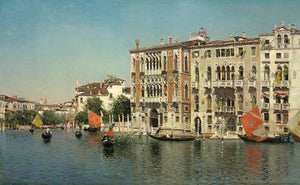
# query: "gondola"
[[92, 129], [31, 130], [276, 139], [166, 138], [78, 134], [46, 135], [108, 141]]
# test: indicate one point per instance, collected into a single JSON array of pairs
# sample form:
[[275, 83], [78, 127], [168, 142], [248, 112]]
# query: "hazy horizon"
[[46, 46]]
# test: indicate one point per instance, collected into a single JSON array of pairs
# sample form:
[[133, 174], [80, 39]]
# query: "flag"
[[278, 77]]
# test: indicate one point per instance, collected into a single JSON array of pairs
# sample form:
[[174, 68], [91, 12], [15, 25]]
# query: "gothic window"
[[175, 62], [142, 64], [165, 63], [286, 39], [208, 73], [278, 74], [223, 73], [267, 73], [228, 72], [278, 39], [143, 91], [277, 99], [186, 68], [232, 73], [147, 63], [196, 103], [186, 92], [218, 73], [240, 102], [196, 74], [285, 73], [209, 102], [241, 73], [286, 99], [253, 71]]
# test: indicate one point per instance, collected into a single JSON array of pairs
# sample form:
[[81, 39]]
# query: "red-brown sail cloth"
[[253, 125], [94, 120]]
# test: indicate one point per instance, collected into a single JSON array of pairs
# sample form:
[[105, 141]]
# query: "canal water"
[[26, 159]]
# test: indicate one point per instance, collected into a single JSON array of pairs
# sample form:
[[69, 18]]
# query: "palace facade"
[[206, 86]]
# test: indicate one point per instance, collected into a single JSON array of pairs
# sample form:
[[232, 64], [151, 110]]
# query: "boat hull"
[[165, 138], [46, 136], [78, 134], [92, 129], [277, 139], [107, 142]]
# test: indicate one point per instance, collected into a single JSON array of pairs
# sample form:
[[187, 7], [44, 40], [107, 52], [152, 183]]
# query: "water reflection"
[[108, 151]]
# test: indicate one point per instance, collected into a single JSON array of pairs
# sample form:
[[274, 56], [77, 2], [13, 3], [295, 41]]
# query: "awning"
[[282, 94]]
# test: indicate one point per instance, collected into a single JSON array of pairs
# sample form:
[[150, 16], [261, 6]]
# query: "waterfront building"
[[106, 90], [206, 86]]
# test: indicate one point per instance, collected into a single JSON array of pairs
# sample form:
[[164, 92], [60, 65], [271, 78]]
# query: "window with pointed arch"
[[142, 64], [286, 39], [266, 73], [186, 67], [209, 73], [278, 74], [285, 73], [223, 73], [196, 103], [240, 102], [175, 62], [218, 73], [209, 102], [241, 73], [228, 76], [279, 39], [165, 63], [186, 92], [197, 74], [253, 73]]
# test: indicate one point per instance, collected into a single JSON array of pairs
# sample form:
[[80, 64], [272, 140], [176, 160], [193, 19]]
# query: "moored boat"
[[171, 138], [94, 122], [78, 134], [275, 139]]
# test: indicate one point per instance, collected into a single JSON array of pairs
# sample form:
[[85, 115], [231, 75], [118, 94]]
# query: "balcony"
[[207, 84], [265, 84], [225, 109], [277, 106], [252, 84], [265, 106], [281, 84], [285, 106], [238, 83], [223, 83]]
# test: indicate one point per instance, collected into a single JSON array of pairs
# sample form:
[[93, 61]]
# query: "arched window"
[[165, 63], [286, 99], [196, 103], [241, 73], [253, 72], [218, 73], [142, 64], [279, 39], [208, 73], [278, 74], [147, 63], [285, 73], [197, 74], [223, 73], [266, 73], [176, 90], [253, 102], [186, 92], [209, 102], [232, 73], [286, 39], [175, 62], [228, 73], [143, 91], [186, 67], [278, 99]]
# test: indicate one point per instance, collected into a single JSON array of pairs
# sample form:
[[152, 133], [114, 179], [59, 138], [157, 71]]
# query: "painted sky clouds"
[[45, 46]]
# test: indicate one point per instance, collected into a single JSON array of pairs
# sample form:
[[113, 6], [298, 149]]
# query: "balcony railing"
[[285, 106], [277, 106], [207, 84], [252, 84], [222, 83], [226, 109], [265, 83], [195, 85], [265, 106], [284, 83], [238, 83]]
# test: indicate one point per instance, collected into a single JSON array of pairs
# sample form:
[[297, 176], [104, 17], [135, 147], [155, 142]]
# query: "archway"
[[154, 118], [231, 124], [197, 122]]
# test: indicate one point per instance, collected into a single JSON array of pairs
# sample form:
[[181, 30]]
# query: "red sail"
[[253, 125], [94, 120]]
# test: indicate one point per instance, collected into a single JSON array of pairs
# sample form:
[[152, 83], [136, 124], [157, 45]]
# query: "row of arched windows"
[[285, 39], [280, 74]]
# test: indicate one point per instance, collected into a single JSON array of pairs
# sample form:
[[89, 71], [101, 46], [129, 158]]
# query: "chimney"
[[243, 34], [170, 40], [162, 42], [176, 40], [137, 43]]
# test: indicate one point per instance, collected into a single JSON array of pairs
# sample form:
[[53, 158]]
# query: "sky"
[[46, 46]]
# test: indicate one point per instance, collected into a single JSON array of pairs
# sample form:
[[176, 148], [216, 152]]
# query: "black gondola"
[[170, 138], [46, 135], [92, 129], [108, 141], [276, 139], [31, 130], [78, 134]]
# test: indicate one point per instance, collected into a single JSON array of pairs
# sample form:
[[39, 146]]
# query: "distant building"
[[106, 90], [206, 86]]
